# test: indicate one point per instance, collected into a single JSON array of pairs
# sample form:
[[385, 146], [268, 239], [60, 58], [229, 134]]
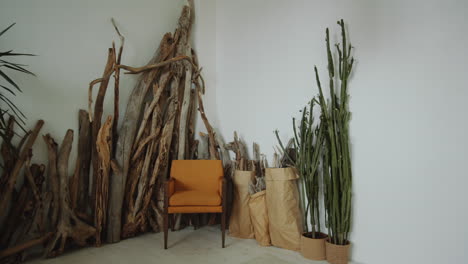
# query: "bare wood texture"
[[104, 148], [149, 67], [10, 184], [134, 223], [116, 86], [53, 179], [79, 185], [24, 246], [69, 226], [184, 113], [98, 112], [126, 139]]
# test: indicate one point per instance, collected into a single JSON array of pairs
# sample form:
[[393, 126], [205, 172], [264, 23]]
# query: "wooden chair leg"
[[223, 226], [166, 227]]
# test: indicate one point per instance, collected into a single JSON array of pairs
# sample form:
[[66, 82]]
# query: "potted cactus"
[[307, 144], [337, 176]]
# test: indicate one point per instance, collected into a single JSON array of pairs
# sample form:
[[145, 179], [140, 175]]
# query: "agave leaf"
[[12, 105], [18, 68], [8, 79], [6, 29], [8, 89], [10, 53]]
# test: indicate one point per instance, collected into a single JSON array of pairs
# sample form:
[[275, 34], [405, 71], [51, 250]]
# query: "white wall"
[[407, 95], [408, 98]]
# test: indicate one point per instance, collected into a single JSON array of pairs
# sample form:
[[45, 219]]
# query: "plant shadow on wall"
[[323, 149], [8, 109]]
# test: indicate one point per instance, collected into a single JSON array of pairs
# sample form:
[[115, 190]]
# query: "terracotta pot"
[[337, 254], [313, 248]]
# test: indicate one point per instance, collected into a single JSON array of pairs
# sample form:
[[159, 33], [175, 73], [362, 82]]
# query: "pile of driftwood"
[[242, 161], [115, 190]]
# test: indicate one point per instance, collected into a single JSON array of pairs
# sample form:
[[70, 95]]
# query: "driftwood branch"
[[103, 145], [136, 70], [10, 184]]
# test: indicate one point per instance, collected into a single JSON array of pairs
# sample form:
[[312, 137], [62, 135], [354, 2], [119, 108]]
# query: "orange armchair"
[[195, 186]]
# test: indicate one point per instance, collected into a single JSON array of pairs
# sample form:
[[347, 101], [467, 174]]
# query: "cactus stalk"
[[336, 160]]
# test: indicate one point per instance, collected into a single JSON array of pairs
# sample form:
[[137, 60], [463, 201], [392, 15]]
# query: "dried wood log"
[[162, 162], [53, 180], [104, 149], [192, 145], [14, 218], [13, 175], [30, 221], [149, 110], [98, 111], [116, 86], [183, 47], [151, 66], [79, 183], [14, 250], [8, 151], [69, 225], [134, 222], [194, 150], [126, 139], [129, 197]]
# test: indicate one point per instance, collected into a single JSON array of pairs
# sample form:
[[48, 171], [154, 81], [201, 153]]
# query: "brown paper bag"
[[284, 214], [239, 223], [259, 218]]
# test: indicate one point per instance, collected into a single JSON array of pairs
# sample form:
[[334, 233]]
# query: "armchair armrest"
[[170, 188]]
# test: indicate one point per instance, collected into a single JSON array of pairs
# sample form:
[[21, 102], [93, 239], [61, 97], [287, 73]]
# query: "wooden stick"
[[185, 110], [104, 148], [98, 111], [79, 184], [53, 179], [116, 86], [69, 225], [8, 189], [136, 70], [24, 246]]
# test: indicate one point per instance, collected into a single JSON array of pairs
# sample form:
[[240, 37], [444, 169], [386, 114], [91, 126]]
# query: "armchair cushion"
[[194, 198], [199, 175]]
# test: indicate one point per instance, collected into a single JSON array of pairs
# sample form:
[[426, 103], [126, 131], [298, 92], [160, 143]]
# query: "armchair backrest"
[[199, 175]]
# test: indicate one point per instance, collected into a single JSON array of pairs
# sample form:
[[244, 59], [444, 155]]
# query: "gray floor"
[[186, 246]]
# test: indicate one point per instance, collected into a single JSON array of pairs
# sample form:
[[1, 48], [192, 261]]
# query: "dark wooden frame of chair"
[[166, 212]]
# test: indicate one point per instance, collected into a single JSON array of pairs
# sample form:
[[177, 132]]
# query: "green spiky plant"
[[337, 176], [8, 109], [308, 141]]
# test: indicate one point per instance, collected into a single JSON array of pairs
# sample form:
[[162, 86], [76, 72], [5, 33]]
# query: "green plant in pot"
[[308, 141], [337, 176]]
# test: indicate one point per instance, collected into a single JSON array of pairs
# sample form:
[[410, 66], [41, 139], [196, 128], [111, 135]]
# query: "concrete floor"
[[185, 246]]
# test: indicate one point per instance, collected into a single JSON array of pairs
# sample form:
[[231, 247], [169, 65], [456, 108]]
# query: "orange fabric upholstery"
[[194, 209], [171, 187], [197, 175], [191, 198]]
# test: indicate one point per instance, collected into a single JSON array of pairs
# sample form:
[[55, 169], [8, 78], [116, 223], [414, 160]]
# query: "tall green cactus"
[[337, 176], [308, 142]]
